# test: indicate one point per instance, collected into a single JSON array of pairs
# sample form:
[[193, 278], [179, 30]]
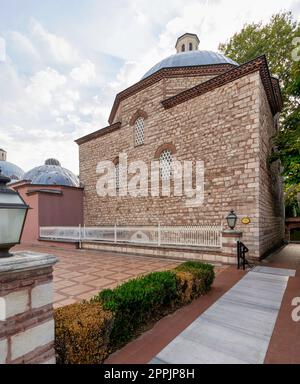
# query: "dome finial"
[[52, 162], [2, 154], [187, 42]]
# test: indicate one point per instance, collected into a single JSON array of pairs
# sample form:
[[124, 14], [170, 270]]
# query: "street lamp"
[[231, 219], [13, 211]]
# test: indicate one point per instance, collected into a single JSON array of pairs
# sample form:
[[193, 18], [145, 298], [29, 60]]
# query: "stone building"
[[195, 105]]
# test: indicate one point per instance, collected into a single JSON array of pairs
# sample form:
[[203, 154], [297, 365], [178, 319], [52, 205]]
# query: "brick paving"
[[81, 274]]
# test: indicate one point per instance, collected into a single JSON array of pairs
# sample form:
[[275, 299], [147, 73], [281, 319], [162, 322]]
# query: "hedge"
[[86, 333], [203, 274], [82, 333], [134, 303]]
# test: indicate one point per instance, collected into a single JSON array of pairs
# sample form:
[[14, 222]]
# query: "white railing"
[[186, 236]]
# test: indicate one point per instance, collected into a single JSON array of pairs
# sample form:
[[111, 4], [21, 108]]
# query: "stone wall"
[[221, 127], [271, 194], [27, 332], [173, 86]]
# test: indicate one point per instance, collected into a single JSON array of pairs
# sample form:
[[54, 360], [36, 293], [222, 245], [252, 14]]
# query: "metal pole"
[[159, 235], [116, 239], [80, 244]]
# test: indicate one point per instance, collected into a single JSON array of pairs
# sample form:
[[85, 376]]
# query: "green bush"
[[86, 333], [203, 274], [82, 333], [137, 302]]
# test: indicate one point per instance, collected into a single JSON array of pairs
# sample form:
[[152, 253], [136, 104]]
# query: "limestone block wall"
[[27, 325], [173, 86], [220, 127], [271, 194]]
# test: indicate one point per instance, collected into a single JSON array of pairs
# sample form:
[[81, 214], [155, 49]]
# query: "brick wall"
[[221, 127], [27, 334]]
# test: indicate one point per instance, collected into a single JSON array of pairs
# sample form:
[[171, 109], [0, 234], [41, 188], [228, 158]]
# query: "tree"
[[276, 40]]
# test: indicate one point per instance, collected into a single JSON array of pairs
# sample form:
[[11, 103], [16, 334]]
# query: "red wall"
[[31, 228], [65, 209], [61, 210]]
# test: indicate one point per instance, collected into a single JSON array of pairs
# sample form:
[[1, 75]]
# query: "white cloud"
[[84, 74], [59, 81], [43, 85], [2, 50], [58, 47], [23, 44]]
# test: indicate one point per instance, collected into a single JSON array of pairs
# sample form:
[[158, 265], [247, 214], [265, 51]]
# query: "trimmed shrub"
[[82, 333], [137, 302], [189, 287], [203, 276], [86, 333]]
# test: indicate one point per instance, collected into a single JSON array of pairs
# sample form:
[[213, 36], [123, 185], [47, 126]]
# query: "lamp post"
[[13, 211], [231, 220]]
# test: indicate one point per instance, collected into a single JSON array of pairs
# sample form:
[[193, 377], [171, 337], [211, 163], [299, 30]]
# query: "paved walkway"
[[277, 333], [286, 257], [148, 345], [237, 329]]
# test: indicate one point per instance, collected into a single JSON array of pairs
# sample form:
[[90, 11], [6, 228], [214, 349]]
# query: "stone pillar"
[[229, 244], [26, 309]]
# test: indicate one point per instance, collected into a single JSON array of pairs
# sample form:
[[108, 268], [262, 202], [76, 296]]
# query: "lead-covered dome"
[[190, 59], [52, 173], [10, 170]]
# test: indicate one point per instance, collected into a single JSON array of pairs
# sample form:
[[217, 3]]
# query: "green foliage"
[[291, 201], [86, 333], [137, 301], [276, 40], [287, 141], [202, 272]]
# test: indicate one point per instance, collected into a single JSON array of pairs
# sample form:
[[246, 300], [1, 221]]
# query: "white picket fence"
[[186, 236]]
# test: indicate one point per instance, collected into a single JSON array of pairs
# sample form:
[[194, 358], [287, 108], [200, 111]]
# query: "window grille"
[[166, 164], [139, 131]]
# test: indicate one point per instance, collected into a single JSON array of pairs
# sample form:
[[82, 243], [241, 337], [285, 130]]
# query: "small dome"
[[11, 170], [52, 162], [52, 173], [190, 59]]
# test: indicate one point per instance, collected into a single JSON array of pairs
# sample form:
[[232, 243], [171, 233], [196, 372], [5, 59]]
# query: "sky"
[[63, 61]]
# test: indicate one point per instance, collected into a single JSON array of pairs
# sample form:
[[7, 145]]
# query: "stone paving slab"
[[237, 329], [275, 271]]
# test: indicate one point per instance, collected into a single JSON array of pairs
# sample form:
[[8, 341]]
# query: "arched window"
[[183, 48], [166, 164], [191, 46], [139, 131]]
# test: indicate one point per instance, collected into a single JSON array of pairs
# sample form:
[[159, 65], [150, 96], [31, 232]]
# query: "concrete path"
[[238, 328]]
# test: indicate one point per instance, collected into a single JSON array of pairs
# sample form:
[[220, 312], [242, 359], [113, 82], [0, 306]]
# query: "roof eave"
[[208, 69], [259, 64]]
